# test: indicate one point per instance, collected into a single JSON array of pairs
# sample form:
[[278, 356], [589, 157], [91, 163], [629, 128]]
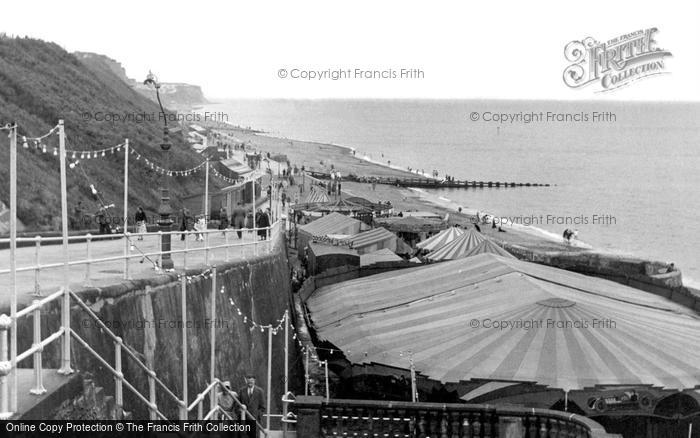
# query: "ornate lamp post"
[[164, 210]]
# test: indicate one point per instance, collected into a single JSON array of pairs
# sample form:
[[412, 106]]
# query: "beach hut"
[[323, 257], [440, 239], [458, 248], [609, 347], [373, 240]]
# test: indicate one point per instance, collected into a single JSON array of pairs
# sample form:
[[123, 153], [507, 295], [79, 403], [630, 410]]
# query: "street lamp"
[[164, 210]]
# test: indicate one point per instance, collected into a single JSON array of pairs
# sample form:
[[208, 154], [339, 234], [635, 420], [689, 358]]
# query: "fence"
[[122, 253], [317, 417], [9, 360]]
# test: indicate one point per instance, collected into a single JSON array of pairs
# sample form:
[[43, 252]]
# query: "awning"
[[490, 317]]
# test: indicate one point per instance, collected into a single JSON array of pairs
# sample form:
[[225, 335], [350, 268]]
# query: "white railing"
[[219, 245], [9, 365]]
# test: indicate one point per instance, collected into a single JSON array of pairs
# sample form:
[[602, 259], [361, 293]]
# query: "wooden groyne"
[[428, 183]]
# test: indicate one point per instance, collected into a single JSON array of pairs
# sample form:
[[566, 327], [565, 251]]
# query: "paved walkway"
[[111, 272]]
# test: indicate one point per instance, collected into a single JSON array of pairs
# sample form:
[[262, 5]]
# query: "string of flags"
[[225, 178], [253, 324], [168, 172]]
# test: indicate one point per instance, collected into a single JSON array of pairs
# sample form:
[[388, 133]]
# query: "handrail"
[[37, 266], [117, 374], [66, 333], [131, 354], [40, 346]]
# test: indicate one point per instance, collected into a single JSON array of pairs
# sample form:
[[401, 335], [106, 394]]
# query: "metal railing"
[[210, 245], [9, 365]]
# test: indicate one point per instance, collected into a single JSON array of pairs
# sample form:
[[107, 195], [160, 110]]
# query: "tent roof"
[[487, 246], [371, 237], [382, 255], [340, 205], [334, 223], [411, 224], [316, 195], [640, 338], [236, 166], [459, 247], [440, 239]]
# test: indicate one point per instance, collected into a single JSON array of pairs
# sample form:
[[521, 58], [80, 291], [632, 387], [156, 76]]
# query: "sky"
[[236, 49]]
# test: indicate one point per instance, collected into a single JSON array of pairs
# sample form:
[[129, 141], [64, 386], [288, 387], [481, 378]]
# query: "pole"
[[183, 303], [286, 368], [413, 383], [13, 268], [306, 373], [65, 311], [269, 375], [212, 349], [328, 390], [206, 192], [126, 209]]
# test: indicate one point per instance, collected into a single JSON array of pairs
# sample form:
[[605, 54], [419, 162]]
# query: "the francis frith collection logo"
[[615, 63]]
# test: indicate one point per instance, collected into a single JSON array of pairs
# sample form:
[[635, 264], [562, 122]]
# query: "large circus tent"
[[490, 318]]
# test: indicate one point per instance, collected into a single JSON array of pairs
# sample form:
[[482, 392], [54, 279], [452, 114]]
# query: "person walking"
[[223, 218], [140, 218], [253, 398]]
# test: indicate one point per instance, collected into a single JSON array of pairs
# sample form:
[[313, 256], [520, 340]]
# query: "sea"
[[625, 175]]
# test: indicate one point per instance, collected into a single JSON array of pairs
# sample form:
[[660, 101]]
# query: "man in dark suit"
[[253, 398]]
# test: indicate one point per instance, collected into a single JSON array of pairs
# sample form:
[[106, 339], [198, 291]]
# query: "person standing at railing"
[[223, 218], [140, 218], [253, 398], [263, 221]]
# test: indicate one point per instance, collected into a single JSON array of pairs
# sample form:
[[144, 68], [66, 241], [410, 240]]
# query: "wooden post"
[[13, 269], [183, 303], [269, 375], [126, 209], [65, 311]]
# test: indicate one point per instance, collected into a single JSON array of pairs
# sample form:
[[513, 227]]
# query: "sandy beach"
[[320, 156]]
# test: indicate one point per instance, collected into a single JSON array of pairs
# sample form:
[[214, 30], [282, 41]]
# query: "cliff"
[[173, 94], [41, 83]]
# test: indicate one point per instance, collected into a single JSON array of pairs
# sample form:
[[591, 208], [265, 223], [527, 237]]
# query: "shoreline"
[[302, 152]]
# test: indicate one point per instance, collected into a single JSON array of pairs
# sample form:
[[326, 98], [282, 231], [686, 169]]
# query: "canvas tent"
[[334, 223], [380, 256], [459, 247], [440, 239], [373, 240], [448, 315], [488, 247]]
